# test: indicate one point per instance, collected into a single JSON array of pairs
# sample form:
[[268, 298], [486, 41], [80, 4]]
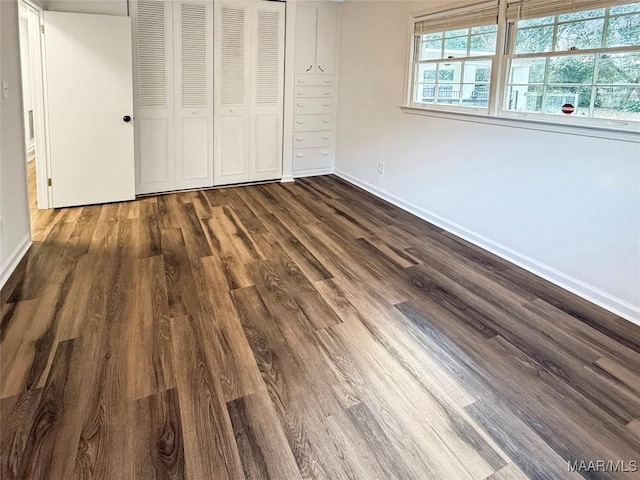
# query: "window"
[[581, 64], [572, 62]]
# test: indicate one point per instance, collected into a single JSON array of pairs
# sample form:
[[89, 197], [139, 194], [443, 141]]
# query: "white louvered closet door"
[[154, 111], [232, 91], [267, 89], [193, 73]]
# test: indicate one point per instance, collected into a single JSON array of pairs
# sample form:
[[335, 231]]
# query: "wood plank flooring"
[[299, 331]]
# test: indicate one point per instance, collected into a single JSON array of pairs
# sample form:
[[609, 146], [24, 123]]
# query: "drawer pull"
[[326, 80], [299, 139], [300, 122], [300, 104], [300, 93], [299, 155], [301, 80], [232, 111], [326, 121], [325, 154], [326, 104], [327, 93], [326, 137]]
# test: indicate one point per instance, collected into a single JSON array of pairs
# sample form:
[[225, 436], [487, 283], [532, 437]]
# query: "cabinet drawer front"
[[312, 159], [313, 106], [313, 139], [312, 123], [315, 79], [314, 91]]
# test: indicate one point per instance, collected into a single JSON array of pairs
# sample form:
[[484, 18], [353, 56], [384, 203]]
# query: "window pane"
[[431, 49], [532, 40], [449, 72], [534, 22], [485, 29], [621, 103], [475, 95], [527, 70], [477, 71], [581, 15], [571, 69], [457, 33], [578, 97], [524, 98], [634, 7], [448, 94], [426, 73], [483, 44], [455, 47], [580, 35], [623, 31], [619, 68], [431, 36], [425, 93]]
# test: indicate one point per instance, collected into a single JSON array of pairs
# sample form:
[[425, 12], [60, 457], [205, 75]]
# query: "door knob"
[[126, 118]]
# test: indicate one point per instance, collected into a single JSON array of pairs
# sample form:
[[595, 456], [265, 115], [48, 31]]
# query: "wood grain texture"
[[305, 330]]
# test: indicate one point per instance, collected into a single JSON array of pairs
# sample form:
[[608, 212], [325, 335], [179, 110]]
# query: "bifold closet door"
[[232, 93], [193, 74], [174, 94], [249, 75], [154, 115], [267, 81]]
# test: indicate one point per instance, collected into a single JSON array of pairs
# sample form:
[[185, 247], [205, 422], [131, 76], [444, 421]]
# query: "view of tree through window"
[[587, 60]]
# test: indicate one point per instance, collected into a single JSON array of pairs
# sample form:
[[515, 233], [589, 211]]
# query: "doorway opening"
[[34, 110]]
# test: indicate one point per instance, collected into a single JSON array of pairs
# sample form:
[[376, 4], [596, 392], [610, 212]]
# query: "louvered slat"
[[268, 57], [232, 56], [194, 54], [151, 54]]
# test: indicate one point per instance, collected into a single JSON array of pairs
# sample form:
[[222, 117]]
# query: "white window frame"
[[496, 113]]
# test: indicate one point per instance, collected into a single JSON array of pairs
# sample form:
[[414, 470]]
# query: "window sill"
[[627, 135]]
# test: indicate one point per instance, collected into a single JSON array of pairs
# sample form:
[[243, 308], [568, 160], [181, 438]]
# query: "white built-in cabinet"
[[249, 43], [314, 96], [207, 116]]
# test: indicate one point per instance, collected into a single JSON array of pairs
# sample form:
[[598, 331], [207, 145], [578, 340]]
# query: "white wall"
[[14, 210], [565, 206], [25, 63]]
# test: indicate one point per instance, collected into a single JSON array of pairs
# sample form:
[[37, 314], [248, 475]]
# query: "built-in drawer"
[[314, 91], [313, 139], [312, 123], [315, 79], [312, 159], [313, 106]]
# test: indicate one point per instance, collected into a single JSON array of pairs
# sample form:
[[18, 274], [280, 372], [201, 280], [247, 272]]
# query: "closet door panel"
[[154, 111], [267, 91], [232, 93], [305, 53], [153, 150], [193, 44], [327, 36]]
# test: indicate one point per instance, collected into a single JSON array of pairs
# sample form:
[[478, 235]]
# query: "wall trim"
[[14, 259], [578, 287], [287, 179], [313, 173]]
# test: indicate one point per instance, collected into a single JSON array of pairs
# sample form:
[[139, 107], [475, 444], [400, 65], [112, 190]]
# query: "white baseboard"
[[14, 259], [287, 179], [588, 292], [313, 173]]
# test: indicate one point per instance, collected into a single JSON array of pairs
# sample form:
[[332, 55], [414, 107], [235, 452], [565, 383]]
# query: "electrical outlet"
[[381, 168]]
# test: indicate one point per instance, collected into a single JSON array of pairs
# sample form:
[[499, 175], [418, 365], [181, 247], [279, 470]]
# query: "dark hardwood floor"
[[304, 330]]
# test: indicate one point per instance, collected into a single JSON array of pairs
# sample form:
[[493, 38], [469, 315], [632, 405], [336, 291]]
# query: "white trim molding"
[[578, 287], [313, 173], [14, 259]]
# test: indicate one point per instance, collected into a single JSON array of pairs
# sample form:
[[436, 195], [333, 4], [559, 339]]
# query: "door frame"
[[41, 126]]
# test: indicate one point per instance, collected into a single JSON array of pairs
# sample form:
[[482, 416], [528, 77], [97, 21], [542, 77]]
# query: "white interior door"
[[232, 92], [327, 48], [267, 81], [305, 52], [193, 45], [89, 92]]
